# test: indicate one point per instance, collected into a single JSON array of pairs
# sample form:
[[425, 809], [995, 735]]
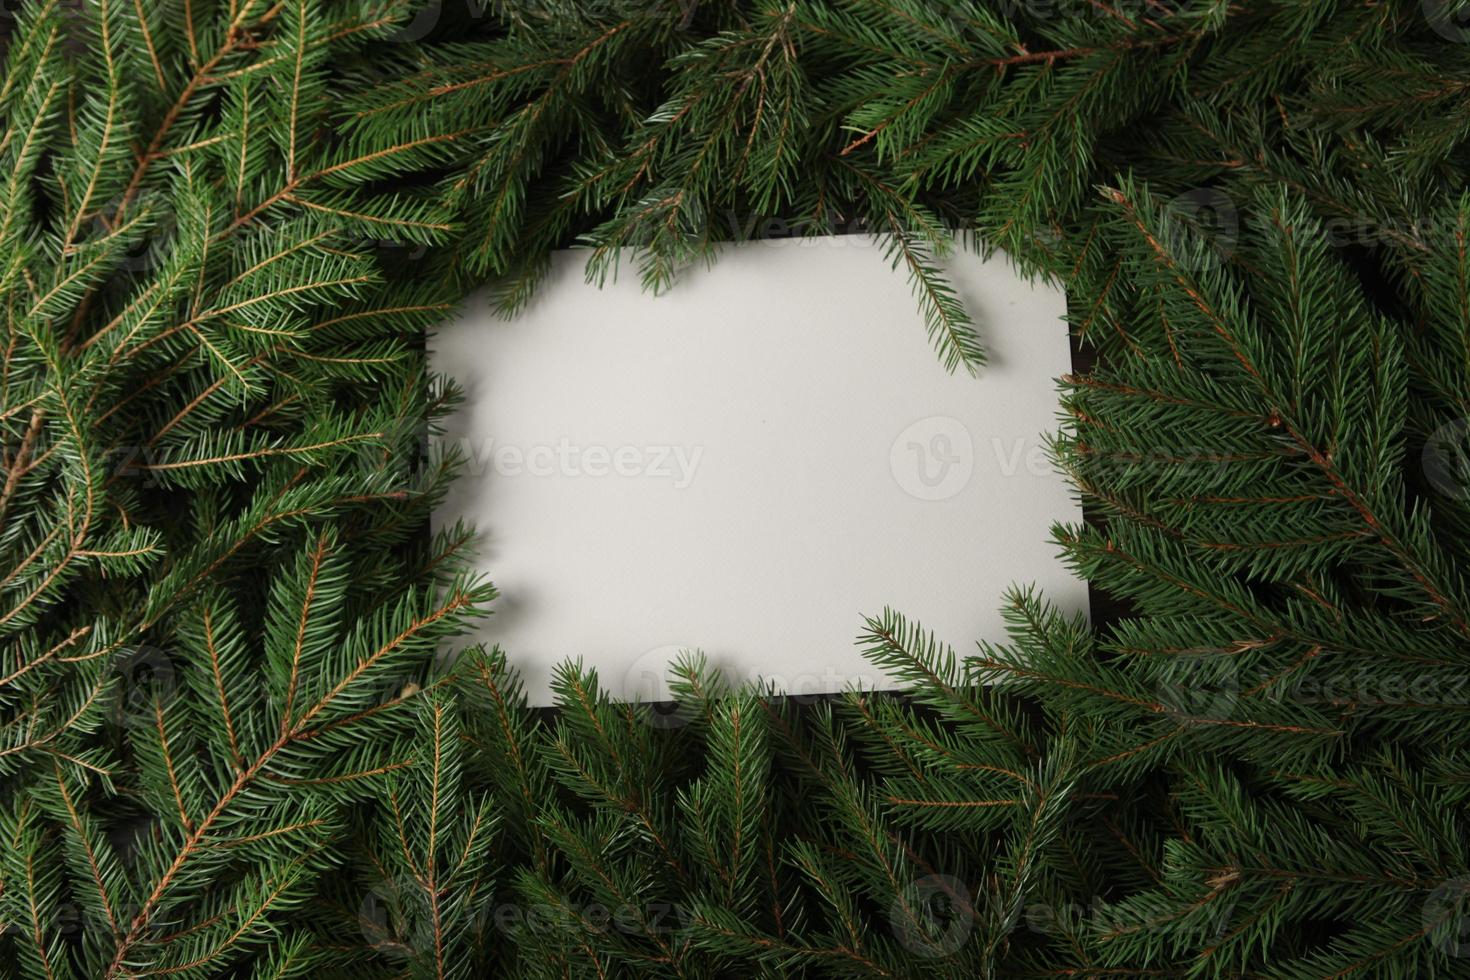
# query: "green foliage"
[[237, 737]]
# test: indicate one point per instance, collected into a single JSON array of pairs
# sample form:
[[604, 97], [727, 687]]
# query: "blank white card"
[[752, 462]]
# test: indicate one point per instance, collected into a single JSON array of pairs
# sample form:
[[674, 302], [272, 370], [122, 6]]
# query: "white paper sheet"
[[753, 461]]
